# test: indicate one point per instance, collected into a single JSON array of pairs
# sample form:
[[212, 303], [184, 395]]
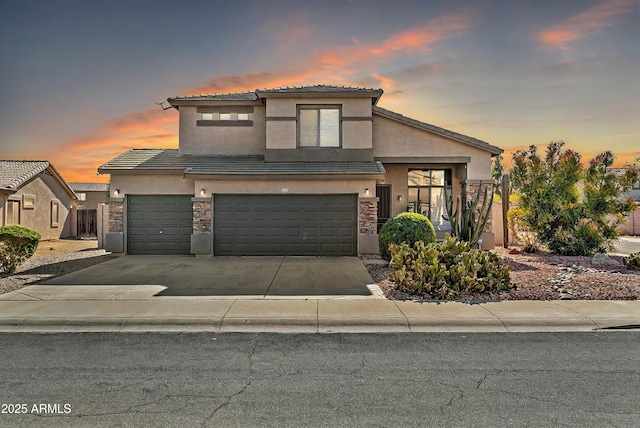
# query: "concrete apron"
[[223, 277]]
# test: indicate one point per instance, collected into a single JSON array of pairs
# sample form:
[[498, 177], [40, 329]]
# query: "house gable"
[[40, 198], [397, 141]]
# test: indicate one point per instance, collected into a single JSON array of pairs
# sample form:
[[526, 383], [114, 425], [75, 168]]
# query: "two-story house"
[[310, 170]]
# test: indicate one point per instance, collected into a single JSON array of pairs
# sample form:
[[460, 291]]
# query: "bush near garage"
[[17, 244], [444, 270], [407, 228]]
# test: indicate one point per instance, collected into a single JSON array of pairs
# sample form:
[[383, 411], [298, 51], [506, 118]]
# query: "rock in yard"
[[603, 260]]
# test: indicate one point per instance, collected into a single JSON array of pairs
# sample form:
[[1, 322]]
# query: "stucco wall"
[[281, 186], [394, 139], [3, 200], [93, 199], [134, 184], [45, 189], [221, 140], [281, 134]]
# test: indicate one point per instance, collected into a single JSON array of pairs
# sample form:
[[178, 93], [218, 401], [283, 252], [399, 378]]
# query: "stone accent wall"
[[471, 189], [368, 216], [116, 216], [201, 217]]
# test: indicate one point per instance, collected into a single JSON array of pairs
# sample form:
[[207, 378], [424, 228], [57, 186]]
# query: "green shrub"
[[572, 209], [633, 261], [17, 244], [408, 228], [446, 269]]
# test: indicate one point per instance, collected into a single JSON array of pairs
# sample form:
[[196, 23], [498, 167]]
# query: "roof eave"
[[493, 150], [297, 176]]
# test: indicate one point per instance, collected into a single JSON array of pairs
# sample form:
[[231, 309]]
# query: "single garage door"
[[261, 225], [159, 224]]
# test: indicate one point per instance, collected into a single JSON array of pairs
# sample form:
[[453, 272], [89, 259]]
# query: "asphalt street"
[[207, 380]]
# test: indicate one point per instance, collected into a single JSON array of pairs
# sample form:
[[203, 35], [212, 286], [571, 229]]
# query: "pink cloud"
[[590, 21], [415, 39], [79, 158]]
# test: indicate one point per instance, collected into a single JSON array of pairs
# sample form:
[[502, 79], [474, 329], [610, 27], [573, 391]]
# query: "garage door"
[[159, 224], [314, 225]]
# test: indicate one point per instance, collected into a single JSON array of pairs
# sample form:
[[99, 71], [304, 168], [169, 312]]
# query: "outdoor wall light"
[[117, 192], [366, 191], [202, 191], [399, 197]]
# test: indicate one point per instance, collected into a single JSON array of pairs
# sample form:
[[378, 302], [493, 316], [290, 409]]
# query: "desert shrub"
[[17, 244], [633, 261], [521, 234], [446, 269], [573, 210], [407, 228]]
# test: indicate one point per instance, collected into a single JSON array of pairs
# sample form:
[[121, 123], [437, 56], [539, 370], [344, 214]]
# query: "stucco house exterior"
[[33, 194], [90, 194], [310, 170]]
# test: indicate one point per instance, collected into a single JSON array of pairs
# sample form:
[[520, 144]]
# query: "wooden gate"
[[87, 223]]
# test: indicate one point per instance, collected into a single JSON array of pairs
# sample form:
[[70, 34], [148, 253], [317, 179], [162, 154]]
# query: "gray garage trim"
[[159, 224], [283, 225]]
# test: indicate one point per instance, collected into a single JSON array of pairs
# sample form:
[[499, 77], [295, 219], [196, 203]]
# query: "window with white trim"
[[55, 213], [13, 212], [319, 127], [224, 118]]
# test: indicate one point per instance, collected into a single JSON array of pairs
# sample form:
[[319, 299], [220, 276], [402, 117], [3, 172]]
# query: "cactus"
[[445, 270], [464, 224]]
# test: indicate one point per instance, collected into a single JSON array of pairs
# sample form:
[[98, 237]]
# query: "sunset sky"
[[79, 79]]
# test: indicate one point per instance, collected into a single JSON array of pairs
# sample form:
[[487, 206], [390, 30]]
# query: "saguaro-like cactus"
[[467, 221]]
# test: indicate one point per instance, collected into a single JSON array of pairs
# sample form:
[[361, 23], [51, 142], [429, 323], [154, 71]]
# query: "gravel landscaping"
[[53, 259], [542, 276]]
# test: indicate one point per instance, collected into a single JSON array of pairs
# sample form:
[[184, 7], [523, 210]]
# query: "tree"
[[567, 221], [497, 170]]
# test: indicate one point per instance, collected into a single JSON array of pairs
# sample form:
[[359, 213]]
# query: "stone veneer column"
[[368, 226], [116, 216], [201, 238], [201, 217], [114, 238]]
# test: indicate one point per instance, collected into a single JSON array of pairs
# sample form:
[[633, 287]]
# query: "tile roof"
[[320, 89], [169, 160], [234, 96], [89, 187], [14, 174], [437, 130], [255, 95]]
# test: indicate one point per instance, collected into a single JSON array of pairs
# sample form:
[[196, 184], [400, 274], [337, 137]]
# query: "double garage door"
[[305, 225], [259, 225]]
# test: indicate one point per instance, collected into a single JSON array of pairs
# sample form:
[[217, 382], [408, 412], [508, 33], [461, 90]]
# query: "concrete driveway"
[[627, 245], [230, 276]]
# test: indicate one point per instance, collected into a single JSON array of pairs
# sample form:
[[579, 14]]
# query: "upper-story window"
[[225, 116], [319, 127]]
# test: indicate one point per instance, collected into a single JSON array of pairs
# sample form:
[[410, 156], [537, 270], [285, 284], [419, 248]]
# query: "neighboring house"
[[310, 170], [90, 194], [34, 195], [631, 226]]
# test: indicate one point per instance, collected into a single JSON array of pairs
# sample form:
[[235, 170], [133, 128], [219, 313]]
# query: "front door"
[[383, 193]]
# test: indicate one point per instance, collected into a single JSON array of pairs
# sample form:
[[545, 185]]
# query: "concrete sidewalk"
[[130, 308]]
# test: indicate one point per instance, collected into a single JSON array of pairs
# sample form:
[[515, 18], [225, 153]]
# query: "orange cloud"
[[79, 158], [588, 22], [416, 39]]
